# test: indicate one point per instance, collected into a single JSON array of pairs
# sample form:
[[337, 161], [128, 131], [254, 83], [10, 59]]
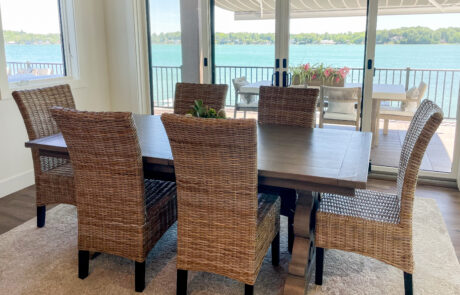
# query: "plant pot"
[[295, 79], [323, 82]]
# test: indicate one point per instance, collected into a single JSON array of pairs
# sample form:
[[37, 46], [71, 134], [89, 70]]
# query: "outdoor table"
[[305, 159], [380, 92]]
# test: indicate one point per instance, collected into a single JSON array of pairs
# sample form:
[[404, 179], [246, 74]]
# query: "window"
[[33, 39]]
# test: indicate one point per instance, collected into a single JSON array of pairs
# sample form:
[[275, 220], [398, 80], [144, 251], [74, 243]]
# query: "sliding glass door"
[[417, 57], [247, 52], [327, 49], [165, 52], [396, 52]]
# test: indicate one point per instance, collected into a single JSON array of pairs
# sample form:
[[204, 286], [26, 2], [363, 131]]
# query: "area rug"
[[44, 261]]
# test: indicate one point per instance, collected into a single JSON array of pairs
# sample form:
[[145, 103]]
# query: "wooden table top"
[[286, 155]]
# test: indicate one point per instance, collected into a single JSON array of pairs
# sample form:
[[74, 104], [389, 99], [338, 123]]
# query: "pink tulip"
[[313, 77], [337, 80], [327, 72], [306, 67]]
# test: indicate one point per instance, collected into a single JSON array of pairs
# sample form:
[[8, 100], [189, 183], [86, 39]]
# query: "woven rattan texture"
[[288, 106], [53, 176], [369, 227], [223, 226], [118, 211], [213, 95]]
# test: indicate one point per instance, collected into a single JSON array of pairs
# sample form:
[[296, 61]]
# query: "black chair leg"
[[248, 289], [139, 276], [408, 285], [319, 266], [290, 233], [181, 282], [41, 215], [276, 250], [83, 264]]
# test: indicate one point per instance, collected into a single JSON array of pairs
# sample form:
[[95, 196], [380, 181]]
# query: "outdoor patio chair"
[[119, 212], [376, 224], [246, 102], [224, 226], [213, 95], [343, 106], [53, 176], [407, 109]]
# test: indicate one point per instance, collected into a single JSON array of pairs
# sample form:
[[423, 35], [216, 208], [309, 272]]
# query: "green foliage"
[[28, 38], [200, 110], [412, 35]]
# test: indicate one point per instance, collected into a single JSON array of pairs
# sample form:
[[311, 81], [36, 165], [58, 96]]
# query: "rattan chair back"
[[421, 129], [213, 95], [109, 181], [215, 163], [288, 106], [35, 106]]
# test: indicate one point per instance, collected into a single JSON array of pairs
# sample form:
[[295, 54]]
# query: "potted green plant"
[[200, 110]]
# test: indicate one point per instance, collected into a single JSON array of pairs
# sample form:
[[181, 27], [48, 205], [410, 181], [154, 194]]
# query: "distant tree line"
[[411, 35], [29, 38]]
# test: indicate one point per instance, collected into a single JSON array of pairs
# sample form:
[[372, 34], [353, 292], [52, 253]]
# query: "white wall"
[[91, 93], [127, 55]]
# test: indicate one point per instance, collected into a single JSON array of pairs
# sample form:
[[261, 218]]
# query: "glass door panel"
[[327, 49], [244, 50], [419, 56], [165, 52]]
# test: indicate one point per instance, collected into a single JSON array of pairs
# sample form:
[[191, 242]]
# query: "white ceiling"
[[265, 9]]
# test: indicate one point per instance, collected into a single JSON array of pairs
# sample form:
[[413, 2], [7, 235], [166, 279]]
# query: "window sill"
[[32, 84]]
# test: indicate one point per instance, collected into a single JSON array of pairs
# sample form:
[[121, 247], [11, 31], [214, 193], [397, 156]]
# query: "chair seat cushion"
[[395, 111], [243, 104], [61, 170], [366, 204], [161, 210], [340, 116], [268, 204], [156, 190]]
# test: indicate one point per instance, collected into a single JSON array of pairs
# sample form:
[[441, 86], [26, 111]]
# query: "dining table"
[[309, 160], [380, 93]]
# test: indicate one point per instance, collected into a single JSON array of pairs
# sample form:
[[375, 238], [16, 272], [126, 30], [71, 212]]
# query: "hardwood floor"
[[19, 207]]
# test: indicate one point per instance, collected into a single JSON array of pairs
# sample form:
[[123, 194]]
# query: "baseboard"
[[17, 182]]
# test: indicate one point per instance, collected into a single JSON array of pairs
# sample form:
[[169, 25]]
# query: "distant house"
[[327, 42]]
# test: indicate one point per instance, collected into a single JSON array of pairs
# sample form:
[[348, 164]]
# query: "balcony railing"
[[443, 84], [20, 68]]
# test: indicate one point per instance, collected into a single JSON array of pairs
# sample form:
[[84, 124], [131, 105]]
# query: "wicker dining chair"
[[290, 107], [213, 95], [224, 226], [119, 212], [376, 224], [53, 176]]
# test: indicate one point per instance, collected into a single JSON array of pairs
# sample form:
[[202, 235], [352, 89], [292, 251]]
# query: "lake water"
[[387, 56], [443, 86]]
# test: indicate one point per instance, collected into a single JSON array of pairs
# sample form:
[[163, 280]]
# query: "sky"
[[32, 16], [41, 16]]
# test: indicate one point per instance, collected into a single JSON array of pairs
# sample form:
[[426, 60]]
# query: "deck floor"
[[438, 157]]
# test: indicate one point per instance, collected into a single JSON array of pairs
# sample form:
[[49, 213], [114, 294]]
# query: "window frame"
[[69, 52]]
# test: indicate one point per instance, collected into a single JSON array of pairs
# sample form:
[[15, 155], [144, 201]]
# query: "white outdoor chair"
[[343, 106], [407, 109], [42, 72], [248, 101]]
